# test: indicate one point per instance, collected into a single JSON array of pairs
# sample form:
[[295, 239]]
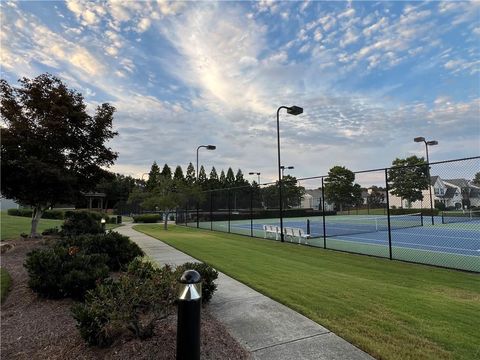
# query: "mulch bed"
[[37, 328]]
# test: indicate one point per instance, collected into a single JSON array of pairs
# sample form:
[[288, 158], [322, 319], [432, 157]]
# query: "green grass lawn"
[[13, 226], [390, 309], [5, 283]]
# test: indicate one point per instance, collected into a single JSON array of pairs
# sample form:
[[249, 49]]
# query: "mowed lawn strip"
[[13, 226], [390, 309]]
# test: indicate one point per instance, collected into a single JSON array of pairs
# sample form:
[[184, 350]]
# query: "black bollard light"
[[188, 323]]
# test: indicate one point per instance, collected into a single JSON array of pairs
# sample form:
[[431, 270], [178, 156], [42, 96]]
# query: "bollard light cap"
[[190, 277]]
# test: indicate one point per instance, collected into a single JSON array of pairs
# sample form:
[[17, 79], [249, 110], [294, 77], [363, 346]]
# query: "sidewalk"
[[266, 328]]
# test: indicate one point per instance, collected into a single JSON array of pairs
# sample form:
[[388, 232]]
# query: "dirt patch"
[[36, 328]]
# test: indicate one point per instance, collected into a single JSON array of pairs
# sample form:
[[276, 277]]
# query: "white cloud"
[[143, 25]]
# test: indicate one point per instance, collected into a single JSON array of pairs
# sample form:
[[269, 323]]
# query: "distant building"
[[313, 200], [6, 204]]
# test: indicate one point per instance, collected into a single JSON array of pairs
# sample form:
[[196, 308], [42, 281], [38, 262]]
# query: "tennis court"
[[454, 243]]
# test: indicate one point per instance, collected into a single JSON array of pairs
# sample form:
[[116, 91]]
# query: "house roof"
[[461, 183], [433, 179], [314, 192]]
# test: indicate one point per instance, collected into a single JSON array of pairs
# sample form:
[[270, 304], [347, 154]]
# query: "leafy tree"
[[213, 182], [291, 193], [116, 188], [408, 177], [166, 171], [340, 189], [51, 148], [178, 174], [476, 179], [190, 176], [230, 178], [376, 197], [166, 196], [153, 176]]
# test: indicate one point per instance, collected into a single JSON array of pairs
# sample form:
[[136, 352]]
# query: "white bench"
[[271, 229], [295, 233]]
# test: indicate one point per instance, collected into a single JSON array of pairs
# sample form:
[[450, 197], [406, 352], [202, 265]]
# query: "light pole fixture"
[[427, 144], [255, 173], [208, 147], [292, 110], [286, 167]]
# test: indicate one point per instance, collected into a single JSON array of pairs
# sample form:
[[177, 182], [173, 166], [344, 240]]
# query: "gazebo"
[[95, 198]]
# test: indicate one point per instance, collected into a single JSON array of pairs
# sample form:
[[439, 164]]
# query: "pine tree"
[[230, 178], [166, 172], [153, 176], [202, 177], [190, 176], [222, 179], [239, 180], [178, 174]]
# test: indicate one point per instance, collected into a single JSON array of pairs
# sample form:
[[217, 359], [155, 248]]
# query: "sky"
[[369, 75]]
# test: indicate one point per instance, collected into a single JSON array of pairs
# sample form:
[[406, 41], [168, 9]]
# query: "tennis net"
[[449, 217], [348, 226]]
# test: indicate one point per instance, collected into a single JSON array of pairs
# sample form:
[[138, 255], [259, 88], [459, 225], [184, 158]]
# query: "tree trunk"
[[165, 220], [36, 216]]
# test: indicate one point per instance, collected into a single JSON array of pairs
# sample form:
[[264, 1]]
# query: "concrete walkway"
[[266, 328]]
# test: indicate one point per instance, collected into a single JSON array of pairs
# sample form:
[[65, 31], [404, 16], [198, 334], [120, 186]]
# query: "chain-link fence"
[[421, 214]]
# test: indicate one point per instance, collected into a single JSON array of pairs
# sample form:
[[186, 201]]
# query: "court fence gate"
[[426, 214]]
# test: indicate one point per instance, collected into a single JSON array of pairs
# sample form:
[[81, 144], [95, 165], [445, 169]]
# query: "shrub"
[[51, 231], [77, 223], [147, 218], [130, 304], [209, 275], [53, 214], [440, 206], [119, 249], [20, 212], [64, 272]]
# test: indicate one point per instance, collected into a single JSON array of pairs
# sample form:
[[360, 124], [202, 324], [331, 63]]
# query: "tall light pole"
[[286, 167], [292, 110], [208, 147], [255, 173], [427, 144]]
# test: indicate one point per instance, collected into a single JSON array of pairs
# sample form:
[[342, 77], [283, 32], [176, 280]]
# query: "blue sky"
[[370, 76]]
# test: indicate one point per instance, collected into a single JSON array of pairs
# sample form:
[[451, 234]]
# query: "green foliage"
[[166, 172], [48, 214], [80, 222], [440, 206], [44, 111], [340, 189], [376, 197], [153, 176], [202, 178], [476, 179], [64, 272], [230, 178], [209, 275], [178, 174], [117, 188], [408, 177], [190, 175], [147, 218], [132, 303], [51, 231], [118, 249]]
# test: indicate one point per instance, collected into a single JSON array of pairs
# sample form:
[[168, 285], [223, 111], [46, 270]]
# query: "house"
[[312, 199]]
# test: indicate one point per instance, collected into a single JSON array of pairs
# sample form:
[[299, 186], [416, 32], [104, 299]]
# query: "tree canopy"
[[340, 188], [408, 177], [51, 148]]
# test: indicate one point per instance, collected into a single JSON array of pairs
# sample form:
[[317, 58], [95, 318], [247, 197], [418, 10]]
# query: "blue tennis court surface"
[[408, 233]]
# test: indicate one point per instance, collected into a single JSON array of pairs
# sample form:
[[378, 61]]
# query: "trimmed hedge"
[[147, 218], [426, 212], [48, 214]]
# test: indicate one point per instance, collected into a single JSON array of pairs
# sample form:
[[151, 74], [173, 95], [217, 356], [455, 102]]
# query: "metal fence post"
[[323, 217], [211, 212], [198, 214], [186, 214], [388, 216], [188, 321], [251, 211], [229, 208]]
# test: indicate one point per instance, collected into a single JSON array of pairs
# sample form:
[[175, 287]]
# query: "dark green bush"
[[401, 211], [51, 231], [209, 275], [54, 214], [119, 249], [20, 212], [80, 222], [130, 304], [147, 218], [64, 272]]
